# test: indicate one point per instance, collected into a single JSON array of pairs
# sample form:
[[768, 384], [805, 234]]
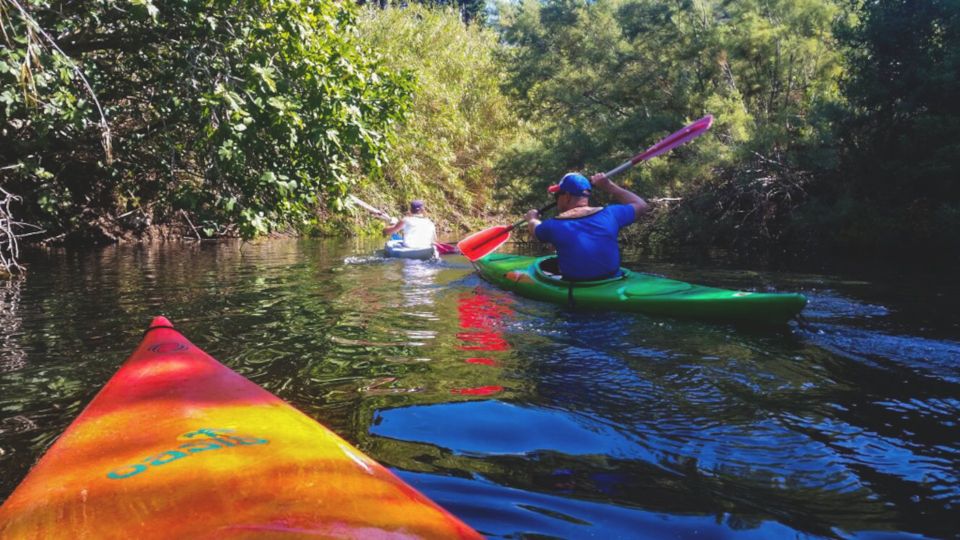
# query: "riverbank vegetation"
[[836, 125], [224, 117], [460, 122]]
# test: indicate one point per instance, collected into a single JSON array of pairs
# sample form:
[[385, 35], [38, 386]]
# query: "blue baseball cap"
[[575, 184], [416, 206]]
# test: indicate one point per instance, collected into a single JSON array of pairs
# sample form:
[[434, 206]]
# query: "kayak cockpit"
[[547, 270]]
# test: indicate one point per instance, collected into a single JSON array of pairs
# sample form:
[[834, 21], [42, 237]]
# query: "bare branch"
[[186, 217], [10, 235]]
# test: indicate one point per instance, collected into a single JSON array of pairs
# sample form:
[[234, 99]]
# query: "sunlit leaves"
[[459, 121], [600, 80], [148, 5], [274, 106]]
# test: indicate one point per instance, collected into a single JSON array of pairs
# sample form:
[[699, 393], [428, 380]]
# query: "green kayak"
[[634, 291]]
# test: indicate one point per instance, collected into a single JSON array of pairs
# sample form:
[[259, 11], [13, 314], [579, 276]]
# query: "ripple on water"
[[934, 357]]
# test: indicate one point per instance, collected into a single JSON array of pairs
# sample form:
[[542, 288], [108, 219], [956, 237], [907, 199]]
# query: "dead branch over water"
[[11, 231]]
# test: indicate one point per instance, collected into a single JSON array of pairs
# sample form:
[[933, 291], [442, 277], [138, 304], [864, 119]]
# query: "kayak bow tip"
[[160, 321]]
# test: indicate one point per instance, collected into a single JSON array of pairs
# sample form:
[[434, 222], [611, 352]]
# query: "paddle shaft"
[[673, 140], [369, 207], [609, 174], [540, 212], [619, 169], [480, 244]]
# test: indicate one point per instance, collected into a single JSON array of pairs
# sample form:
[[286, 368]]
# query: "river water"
[[525, 419]]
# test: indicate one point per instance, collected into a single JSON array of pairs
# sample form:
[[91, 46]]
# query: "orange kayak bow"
[[177, 445]]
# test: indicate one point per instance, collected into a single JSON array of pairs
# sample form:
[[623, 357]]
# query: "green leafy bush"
[[244, 114]]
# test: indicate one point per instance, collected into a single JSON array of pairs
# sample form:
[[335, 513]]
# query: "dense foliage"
[[603, 80], [900, 182], [233, 115], [469, 10], [837, 125], [460, 121], [836, 121]]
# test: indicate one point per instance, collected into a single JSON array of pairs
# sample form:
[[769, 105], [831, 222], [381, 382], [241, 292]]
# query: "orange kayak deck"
[[177, 445]]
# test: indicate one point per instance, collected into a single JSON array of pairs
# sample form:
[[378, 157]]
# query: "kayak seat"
[[550, 267], [548, 270]]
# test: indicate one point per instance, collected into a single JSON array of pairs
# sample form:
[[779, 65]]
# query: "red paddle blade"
[[446, 249], [675, 139], [480, 244]]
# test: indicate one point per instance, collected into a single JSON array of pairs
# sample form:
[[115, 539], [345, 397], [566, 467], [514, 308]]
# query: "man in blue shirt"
[[586, 236]]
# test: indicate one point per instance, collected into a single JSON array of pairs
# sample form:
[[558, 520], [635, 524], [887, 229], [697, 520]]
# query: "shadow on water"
[[527, 419]]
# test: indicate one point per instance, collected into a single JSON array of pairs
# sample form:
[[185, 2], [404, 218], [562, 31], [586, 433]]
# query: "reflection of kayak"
[[176, 445], [642, 293], [395, 248]]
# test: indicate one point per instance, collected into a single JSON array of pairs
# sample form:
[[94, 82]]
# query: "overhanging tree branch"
[[33, 26]]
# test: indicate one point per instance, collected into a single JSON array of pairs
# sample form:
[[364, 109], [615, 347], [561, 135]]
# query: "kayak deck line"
[[177, 445]]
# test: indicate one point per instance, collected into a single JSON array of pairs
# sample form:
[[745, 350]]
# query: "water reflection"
[[500, 511], [480, 317], [14, 357], [524, 418], [481, 428]]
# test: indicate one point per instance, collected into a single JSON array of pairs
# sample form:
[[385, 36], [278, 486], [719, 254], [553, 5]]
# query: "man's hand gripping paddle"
[[481, 244]]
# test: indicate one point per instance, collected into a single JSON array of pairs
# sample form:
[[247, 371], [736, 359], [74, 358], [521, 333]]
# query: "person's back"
[[587, 246], [586, 237], [418, 232]]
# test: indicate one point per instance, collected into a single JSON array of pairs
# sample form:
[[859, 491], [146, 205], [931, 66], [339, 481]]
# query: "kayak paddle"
[[370, 208], [446, 249], [442, 249], [481, 244]]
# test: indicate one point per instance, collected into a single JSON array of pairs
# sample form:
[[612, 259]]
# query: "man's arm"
[[620, 195], [394, 226], [532, 222]]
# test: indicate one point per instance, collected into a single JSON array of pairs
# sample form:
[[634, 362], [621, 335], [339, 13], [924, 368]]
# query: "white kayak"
[[395, 248]]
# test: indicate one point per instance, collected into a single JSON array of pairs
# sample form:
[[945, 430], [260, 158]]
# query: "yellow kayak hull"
[[177, 445]]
